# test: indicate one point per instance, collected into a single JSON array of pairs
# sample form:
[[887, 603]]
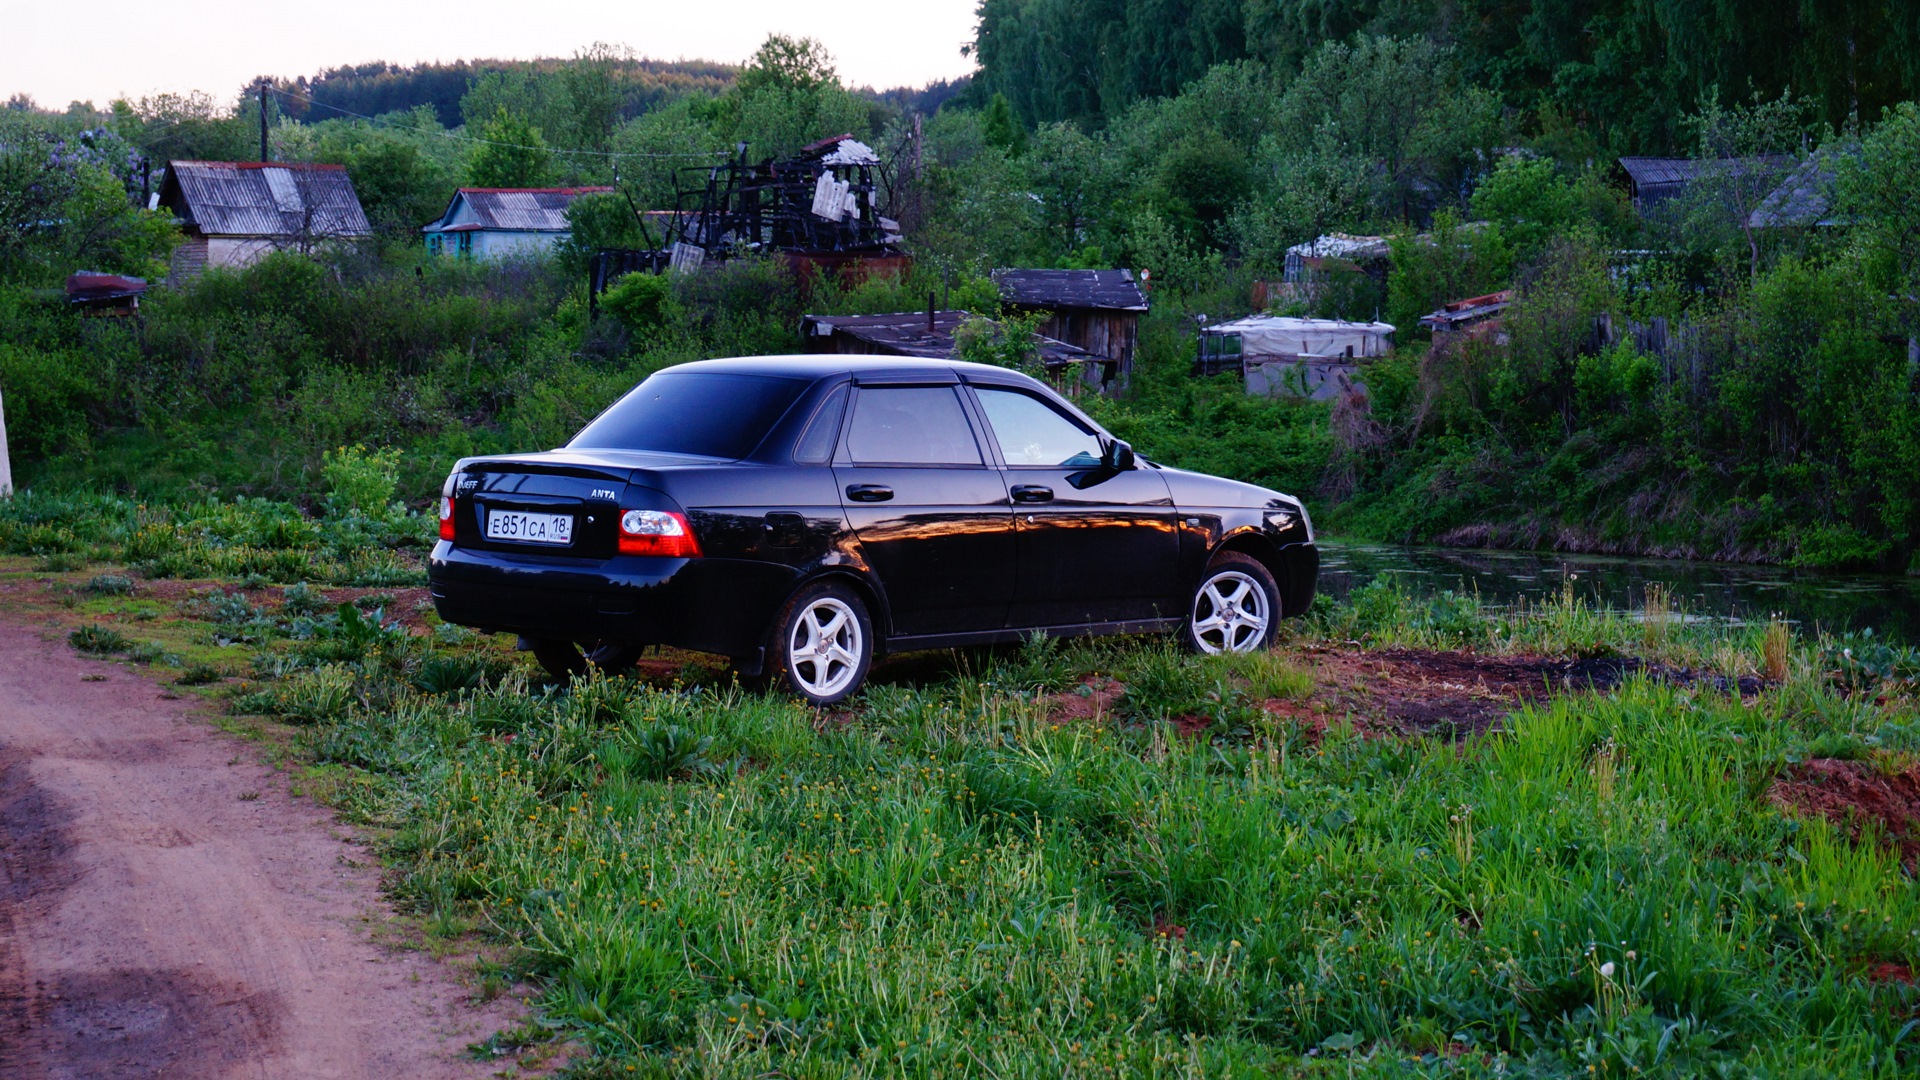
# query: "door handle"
[[1032, 493], [869, 492]]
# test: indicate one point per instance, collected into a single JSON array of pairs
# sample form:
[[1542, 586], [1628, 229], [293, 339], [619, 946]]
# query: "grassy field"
[[1418, 837]]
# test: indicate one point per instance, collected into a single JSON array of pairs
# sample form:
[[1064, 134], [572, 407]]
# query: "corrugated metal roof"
[[1648, 172], [906, 334], [1803, 199], [1469, 311], [1110, 290], [270, 199], [515, 209], [1657, 179]]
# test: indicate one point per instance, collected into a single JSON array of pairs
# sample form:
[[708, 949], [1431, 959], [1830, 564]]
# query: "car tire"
[[1235, 607], [564, 659], [822, 644]]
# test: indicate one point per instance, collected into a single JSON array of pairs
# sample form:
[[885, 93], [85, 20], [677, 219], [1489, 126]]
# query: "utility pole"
[[919, 164], [6, 470], [263, 120]]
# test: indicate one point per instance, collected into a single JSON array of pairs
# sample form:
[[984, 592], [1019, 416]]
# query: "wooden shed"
[[1094, 310], [235, 212]]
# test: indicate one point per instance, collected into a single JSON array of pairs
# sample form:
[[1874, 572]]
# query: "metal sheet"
[[1110, 290], [224, 198]]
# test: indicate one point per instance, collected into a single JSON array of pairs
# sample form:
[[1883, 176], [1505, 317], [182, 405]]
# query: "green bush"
[[50, 398], [360, 481], [99, 640], [644, 303]]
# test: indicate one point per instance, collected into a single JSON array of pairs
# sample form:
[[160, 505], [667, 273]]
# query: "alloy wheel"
[[825, 648], [1230, 614]]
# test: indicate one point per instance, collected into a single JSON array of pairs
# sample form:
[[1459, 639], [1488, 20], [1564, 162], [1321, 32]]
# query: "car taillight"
[[657, 532], [446, 517]]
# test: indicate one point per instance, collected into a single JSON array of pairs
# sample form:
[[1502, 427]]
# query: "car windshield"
[[709, 414]]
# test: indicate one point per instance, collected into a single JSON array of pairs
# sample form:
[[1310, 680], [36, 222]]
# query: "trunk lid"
[[565, 504]]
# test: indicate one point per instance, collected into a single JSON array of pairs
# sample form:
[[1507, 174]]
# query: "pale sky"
[[110, 48]]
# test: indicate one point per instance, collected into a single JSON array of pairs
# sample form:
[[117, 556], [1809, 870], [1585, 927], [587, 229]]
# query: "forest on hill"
[[1775, 418], [378, 88], [1625, 72]]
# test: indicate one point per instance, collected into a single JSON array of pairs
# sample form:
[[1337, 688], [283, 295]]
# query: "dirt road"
[[168, 909]]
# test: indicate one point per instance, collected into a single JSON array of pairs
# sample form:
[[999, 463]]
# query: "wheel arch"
[[1293, 574], [870, 592]]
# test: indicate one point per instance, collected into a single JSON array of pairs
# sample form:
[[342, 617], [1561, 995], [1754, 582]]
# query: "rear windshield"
[[705, 413]]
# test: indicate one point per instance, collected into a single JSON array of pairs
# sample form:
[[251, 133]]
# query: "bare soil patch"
[[1416, 691], [169, 908], [1857, 797], [408, 606], [1093, 699], [1458, 694]]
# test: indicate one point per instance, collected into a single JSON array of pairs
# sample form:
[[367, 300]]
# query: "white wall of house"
[[1315, 379], [237, 251], [498, 243], [503, 245]]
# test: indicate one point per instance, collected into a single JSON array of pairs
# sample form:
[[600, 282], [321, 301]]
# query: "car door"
[[930, 512], [1093, 544]]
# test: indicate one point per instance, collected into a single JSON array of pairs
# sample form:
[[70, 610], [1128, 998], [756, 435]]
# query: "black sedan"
[[805, 514]]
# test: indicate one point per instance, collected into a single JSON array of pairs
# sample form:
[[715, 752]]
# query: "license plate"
[[530, 528]]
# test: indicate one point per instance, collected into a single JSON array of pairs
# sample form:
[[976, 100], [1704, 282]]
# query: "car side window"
[[910, 425], [1031, 432], [816, 443]]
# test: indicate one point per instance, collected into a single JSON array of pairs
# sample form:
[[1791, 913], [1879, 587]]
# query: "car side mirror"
[[1116, 456]]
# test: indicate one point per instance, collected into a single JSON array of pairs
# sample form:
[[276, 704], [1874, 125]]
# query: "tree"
[[398, 186], [1451, 262], [594, 94], [1067, 173], [1530, 201], [65, 202], [1000, 128], [663, 142], [512, 155], [1746, 152], [1400, 102], [184, 127], [1879, 190], [1302, 195], [598, 222], [787, 97], [789, 65]]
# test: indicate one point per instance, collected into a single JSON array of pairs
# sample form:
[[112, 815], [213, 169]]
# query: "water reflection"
[[1814, 600]]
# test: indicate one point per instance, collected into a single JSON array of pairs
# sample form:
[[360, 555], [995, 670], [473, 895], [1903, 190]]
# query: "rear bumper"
[[720, 606]]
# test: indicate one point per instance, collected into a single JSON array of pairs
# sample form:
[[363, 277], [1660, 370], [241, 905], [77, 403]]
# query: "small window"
[[466, 245], [816, 443], [1031, 432], [910, 426]]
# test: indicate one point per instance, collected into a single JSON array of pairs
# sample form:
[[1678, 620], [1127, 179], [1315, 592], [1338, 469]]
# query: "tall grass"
[[947, 880], [1385, 613], [706, 882], [243, 538]]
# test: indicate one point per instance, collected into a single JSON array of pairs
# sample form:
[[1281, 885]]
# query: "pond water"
[[1812, 600]]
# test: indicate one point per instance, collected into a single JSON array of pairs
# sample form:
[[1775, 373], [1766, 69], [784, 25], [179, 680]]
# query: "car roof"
[[823, 365], [818, 366]]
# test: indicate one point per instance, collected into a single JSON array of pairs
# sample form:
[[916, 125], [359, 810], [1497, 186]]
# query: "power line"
[[445, 134]]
